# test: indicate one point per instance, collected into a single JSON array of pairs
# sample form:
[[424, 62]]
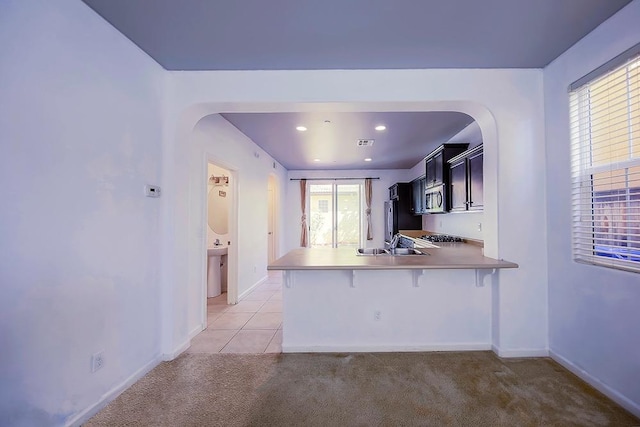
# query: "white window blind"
[[605, 164]]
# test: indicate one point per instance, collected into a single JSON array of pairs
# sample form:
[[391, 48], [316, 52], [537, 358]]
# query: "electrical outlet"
[[479, 226], [377, 315], [97, 361]]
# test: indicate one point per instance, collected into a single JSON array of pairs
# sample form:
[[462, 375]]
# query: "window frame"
[[589, 204]]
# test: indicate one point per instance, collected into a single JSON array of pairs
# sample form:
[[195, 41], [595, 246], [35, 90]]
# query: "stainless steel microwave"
[[436, 199]]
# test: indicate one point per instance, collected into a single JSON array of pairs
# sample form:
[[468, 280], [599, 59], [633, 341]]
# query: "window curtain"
[[368, 190], [303, 205]]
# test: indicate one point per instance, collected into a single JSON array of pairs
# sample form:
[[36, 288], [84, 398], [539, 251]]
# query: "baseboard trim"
[[106, 398], [177, 352], [196, 331], [383, 348], [529, 352], [252, 288], [596, 383]]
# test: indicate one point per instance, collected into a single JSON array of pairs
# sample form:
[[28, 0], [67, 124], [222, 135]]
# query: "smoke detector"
[[365, 142]]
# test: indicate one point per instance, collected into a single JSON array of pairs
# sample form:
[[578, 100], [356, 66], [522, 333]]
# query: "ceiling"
[[353, 34], [331, 138]]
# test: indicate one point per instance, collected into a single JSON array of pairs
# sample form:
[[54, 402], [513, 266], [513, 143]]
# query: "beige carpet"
[[372, 389]]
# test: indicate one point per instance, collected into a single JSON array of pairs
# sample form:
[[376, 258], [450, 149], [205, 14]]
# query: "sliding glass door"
[[335, 214]]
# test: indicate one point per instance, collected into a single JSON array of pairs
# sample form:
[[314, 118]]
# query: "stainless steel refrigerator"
[[389, 223], [398, 216]]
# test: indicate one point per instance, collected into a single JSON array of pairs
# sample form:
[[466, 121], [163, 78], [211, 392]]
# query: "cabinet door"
[[438, 166], [476, 186], [431, 172], [417, 196], [458, 173], [423, 197]]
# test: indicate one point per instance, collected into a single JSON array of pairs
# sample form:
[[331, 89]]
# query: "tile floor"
[[254, 325]]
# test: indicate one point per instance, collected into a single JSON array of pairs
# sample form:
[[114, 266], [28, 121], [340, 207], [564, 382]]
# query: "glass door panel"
[[335, 215], [348, 215], [320, 215]]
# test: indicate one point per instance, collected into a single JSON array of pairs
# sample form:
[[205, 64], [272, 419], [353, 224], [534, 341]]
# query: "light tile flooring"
[[254, 325]]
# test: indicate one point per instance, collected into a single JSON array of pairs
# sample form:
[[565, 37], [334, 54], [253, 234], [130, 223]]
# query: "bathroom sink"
[[217, 250]]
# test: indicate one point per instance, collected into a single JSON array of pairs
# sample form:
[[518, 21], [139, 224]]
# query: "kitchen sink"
[[404, 251], [394, 252], [371, 251]]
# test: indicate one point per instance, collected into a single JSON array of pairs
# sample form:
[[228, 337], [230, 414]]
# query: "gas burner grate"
[[442, 238]]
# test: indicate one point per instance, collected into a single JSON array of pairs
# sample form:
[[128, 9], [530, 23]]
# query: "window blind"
[[605, 165]]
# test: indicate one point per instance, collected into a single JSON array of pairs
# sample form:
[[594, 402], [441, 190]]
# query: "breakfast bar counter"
[[446, 256], [337, 301]]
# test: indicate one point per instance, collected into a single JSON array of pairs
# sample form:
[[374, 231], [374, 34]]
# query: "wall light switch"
[[152, 191]]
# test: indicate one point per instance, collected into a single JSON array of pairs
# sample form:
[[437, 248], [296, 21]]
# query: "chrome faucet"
[[394, 241], [217, 242]]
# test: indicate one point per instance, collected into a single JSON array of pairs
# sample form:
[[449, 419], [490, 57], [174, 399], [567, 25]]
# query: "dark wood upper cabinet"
[[476, 184], [458, 172], [466, 177], [436, 163]]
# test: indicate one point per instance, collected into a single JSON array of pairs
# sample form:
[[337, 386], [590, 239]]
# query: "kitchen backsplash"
[[467, 224]]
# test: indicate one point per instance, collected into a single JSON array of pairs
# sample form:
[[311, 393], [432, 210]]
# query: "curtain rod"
[[328, 179]]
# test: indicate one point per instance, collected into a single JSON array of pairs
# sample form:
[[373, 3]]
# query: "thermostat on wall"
[[151, 191]]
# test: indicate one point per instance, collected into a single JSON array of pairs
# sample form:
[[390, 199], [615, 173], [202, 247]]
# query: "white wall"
[[463, 224], [380, 194], [593, 311], [80, 135], [508, 106]]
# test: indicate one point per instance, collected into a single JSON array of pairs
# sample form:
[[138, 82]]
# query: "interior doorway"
[[221, 235]]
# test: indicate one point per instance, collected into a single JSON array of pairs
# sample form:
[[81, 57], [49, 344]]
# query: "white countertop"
[[446, 256]]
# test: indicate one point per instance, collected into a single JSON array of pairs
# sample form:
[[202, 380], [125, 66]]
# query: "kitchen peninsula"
[[334, 300]]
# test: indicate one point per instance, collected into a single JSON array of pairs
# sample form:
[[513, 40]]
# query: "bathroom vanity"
[[216, 270]]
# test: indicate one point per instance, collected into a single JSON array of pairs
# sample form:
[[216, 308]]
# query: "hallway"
[[254, 325]]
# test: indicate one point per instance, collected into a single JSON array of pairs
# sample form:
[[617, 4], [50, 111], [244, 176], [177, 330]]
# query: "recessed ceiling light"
[[368, 159], [301, 128], [316, 160], [380, 127]]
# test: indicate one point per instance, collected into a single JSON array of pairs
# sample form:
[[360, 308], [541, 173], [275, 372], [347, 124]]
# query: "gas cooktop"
[[442, 238]]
